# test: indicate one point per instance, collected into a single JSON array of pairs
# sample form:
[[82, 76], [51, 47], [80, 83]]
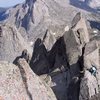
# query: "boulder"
[[49, 40], [21, 83], [81, 24], [76, 19], [52, 34], [91, 55], [73, 50]]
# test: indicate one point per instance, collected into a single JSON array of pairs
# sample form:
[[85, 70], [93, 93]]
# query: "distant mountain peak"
[[34, 17], [30, 1]]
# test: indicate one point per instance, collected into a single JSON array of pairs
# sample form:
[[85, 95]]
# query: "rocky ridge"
[[64, 52], [70, 59], [12, 43], [36, 16], [20, 83]]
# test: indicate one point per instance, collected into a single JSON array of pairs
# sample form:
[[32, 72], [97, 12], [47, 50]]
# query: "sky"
[[9, 3]]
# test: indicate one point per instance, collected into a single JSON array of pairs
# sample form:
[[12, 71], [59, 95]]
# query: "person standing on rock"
[[25, 55]]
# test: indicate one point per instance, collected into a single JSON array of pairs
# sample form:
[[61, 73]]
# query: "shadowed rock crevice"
[[81, 61], [48, 59], [39, 58], [58, 53], [65, 61]]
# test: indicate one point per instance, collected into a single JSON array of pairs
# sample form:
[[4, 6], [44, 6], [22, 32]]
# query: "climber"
[[93, 70], [25, 55]]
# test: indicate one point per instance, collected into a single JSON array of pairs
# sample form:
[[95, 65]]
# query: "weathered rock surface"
[[32, 21], [91, 55], [63, 56], [73, 52], [65, 60], [49, 40], [90, 84], [88, 87], [62, 52], [80, 23], [11, 43], [72, 48], [20, 83], [35, 22]]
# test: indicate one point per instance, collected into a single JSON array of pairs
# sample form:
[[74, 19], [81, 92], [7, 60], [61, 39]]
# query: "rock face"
[[62, 53], [90, 85], [35, 22], [49, 40], [32, 21], [73, 53], [91, 55], [20, 83], [72, 49], [11, 43], [70, 59], [63, 63], [62, 59], [80, 23]]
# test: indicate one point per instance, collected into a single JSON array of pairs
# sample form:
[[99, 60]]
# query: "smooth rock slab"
[[20, 83]]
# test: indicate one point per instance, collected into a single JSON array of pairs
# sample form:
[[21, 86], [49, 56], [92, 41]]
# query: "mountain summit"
[[55, 41]]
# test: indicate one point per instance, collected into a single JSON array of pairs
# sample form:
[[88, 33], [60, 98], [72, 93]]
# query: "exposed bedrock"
[[64, 62]]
